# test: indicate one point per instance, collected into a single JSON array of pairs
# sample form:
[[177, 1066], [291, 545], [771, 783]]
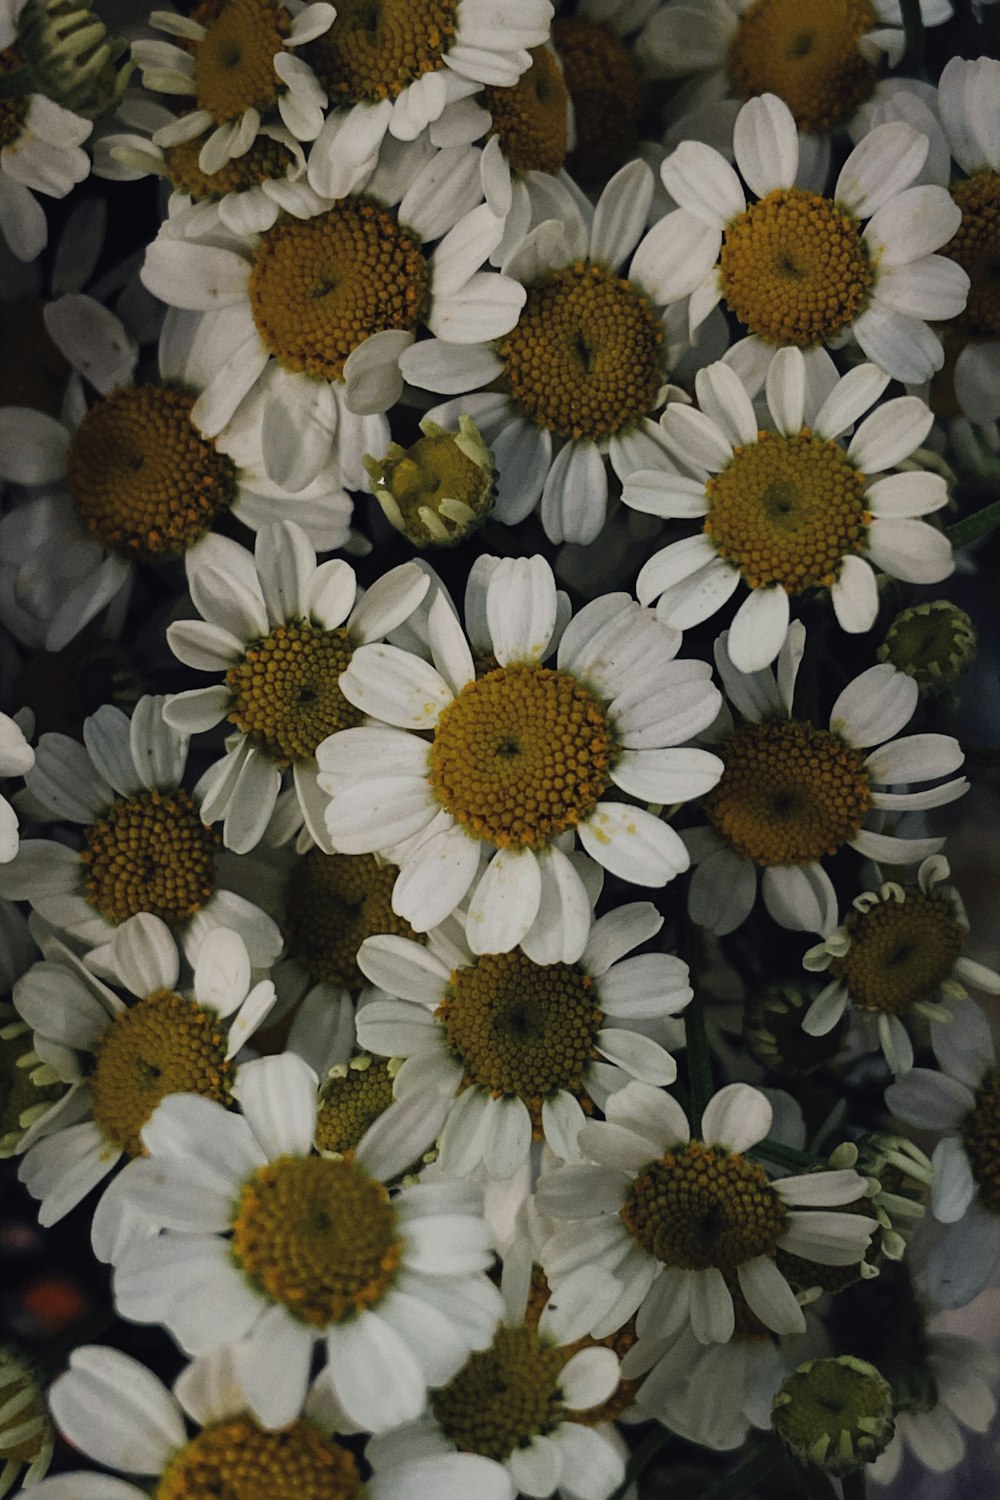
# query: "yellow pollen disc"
[[32, 370], [266, 161], [788, 510], [606, 86], [352, 1099], [586, 356], [334, 902], [319, 287], [12, 111], [700, 1206], [161, 1045], [795, 269], [503, 1396], [976, 248], [234, 63], [318, 1236], [150, 852], [143, 479], [521, 755], [286, 690], [807, 55], [789, 794], [981, 1139], [237, 1460], [376, 47], [521, 1028], [531, 117], [900, 952]]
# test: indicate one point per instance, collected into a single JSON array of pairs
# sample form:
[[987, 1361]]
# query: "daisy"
[[964, 1101], [582, 370], [520, 1048], [898, 954], [792, 794], [16, 759], [40, 152], [283, 631], [146, 841], [951, 1395], [788, 509], [398, 79], [238, 64], [795, 267], [271, 320], [114, 1410], [521, 756], [674, 1229], [282, 1248], [161, 1042]]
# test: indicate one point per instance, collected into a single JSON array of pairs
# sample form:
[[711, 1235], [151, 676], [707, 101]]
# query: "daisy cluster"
[[484, 490]]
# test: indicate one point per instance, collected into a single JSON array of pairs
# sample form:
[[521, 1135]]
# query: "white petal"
[[890, 434], [766, 144], [875, 706], [855, 596], [278, 1098], [633, 844], [786, 390], [505, 902], [117, 1411], [759, 629], [737, 1117], [883, 163], [702, 182], [769, 1296], [562, 925], [521, 609], [377, 1380]]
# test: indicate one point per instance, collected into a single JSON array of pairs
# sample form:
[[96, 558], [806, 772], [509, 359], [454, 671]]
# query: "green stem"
[[698, 1060], [855, 1485], [971, 528], [742, 1480], [913, 23], [786, 1156], [652, 1444]]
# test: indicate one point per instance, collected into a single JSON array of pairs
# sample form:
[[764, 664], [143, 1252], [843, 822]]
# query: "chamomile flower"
[[282, 1248], [676, 1229], [793, 794], [899, 953], [798, 268], [521, 1049], [145, 840], [398, 78], [789, 509], [16, 758], [283, 631], [522, 755], [582, 370], [40, 152], [163, 1041]]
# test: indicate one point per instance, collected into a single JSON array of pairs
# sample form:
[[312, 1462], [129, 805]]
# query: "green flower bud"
[[26, 1431], [28, 1086], [836, 1413], [440, 489], [934, 643]]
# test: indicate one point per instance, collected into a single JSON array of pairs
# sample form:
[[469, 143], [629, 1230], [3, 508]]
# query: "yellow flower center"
[[161, 1045], [376, 47], [319, 287], [318, 1236], [520, 1028], [788, 510], [334, 902], [150, 852], [900, 952], [234, 63], [530, 118], [144, 481], [32, 370], [606, 87], [352, 1099], [976, 248], [586, 356], [503, 1396], [795, 269], [266, 161], [286, 690], [807, 55], [699, 1206], [237, 1460], [521, 755], [14, 110], [789, 794]]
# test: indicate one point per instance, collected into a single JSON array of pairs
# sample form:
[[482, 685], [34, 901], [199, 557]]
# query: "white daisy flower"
[[792, 794], [954, 1397], [318, 309], [964, 1101], [899, 953], [145, 845], [527, 1405], [398, 79], [238, 65], [40, 152], [795, 267], [521, 1049], [163, 1041], [582, 370], [118, 1413], [522, 756], [791, 509], [672, 1229], [16, 759], [281, 1248], [283, 631]]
